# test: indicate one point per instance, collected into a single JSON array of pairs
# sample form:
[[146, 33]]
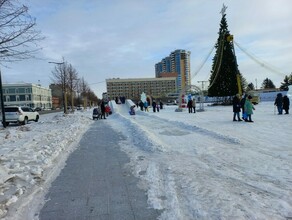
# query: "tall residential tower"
[[178, 62]]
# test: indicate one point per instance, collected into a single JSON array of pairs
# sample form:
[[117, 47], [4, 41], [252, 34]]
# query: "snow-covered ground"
[[193, 166]]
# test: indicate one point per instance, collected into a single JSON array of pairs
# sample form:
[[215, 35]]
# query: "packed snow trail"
[[193, 179]]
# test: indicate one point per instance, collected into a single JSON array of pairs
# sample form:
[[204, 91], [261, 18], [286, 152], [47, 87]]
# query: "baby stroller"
[[132, 111], [96, 114]]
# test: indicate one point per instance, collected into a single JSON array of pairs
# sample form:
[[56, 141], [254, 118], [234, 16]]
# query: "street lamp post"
[[1, 96], [2, 103], [63, 88]]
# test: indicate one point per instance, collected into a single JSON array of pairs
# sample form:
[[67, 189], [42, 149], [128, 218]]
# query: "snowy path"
[[193, 166], [192, 178]]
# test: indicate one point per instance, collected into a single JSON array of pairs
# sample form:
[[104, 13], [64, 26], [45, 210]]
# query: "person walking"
[[286, 104], [190, 106], [141, 105], [248, 107], [194, 105], [102, 108], [146, 106], [279, 103], [161, 104], [242, 102], [154, 106], [236, 107]]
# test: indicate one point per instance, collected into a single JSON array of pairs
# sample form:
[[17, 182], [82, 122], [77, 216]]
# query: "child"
[[248, 108], [132, 111]]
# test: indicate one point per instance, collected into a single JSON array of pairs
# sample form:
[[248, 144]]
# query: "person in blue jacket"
[[248, 108]]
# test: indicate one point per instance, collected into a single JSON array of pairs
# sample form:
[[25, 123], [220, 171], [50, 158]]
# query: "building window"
[[11, 91], [21, 90], [12, 98], [22, 97]]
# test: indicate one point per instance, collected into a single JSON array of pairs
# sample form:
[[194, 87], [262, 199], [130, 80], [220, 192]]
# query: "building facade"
[[178, 62], [133, 88], [27, 94]]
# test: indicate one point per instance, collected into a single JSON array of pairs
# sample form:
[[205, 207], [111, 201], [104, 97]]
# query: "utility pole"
[[1, 96], [2, 103]]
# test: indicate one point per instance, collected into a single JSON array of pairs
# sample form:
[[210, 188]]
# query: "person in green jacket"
[[248, 108]]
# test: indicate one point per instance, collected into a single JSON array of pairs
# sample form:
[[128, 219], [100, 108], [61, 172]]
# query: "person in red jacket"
[[107, 110]]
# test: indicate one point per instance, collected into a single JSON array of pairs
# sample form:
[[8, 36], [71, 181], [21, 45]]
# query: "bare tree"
[[84, 91], [17, 32], [72, 82], [93, 98], [60, 78]]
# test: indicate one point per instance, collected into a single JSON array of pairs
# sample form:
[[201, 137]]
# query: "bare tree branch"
[[17, 32]]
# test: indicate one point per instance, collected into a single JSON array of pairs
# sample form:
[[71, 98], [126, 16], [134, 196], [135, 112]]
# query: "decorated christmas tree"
[[225, 79]]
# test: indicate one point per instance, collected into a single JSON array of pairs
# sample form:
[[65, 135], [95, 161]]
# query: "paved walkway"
[[94, 183]]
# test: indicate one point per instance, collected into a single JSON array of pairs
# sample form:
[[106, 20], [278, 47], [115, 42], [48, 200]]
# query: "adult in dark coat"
[[279, 103], [102, 108], [236, 107], [161, 105], [154, 105], [190, 106], [286, 104], [141, 104]]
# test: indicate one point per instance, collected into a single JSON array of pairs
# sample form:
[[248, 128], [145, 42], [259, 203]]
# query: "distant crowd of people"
[[144, 106], [240, 104], [120, 100], [245, 105]]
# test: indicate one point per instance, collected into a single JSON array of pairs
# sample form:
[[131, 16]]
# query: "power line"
[[262, 64], [203, 63]]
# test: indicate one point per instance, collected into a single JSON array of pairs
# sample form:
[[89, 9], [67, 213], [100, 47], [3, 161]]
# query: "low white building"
[[27, 94]]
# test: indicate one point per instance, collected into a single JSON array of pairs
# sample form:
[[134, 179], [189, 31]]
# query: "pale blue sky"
[[125, 38]]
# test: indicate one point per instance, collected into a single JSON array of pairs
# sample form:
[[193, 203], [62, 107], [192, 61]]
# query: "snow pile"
[[31, 154]]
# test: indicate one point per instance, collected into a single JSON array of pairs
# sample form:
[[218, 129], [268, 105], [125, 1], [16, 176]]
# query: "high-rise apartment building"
[[178, 62]]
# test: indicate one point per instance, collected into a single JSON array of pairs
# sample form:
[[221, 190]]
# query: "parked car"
[[20, 115], [79, 108], [38, 109]]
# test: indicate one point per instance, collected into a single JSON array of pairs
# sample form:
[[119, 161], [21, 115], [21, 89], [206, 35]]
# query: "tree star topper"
[[223, 9]]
